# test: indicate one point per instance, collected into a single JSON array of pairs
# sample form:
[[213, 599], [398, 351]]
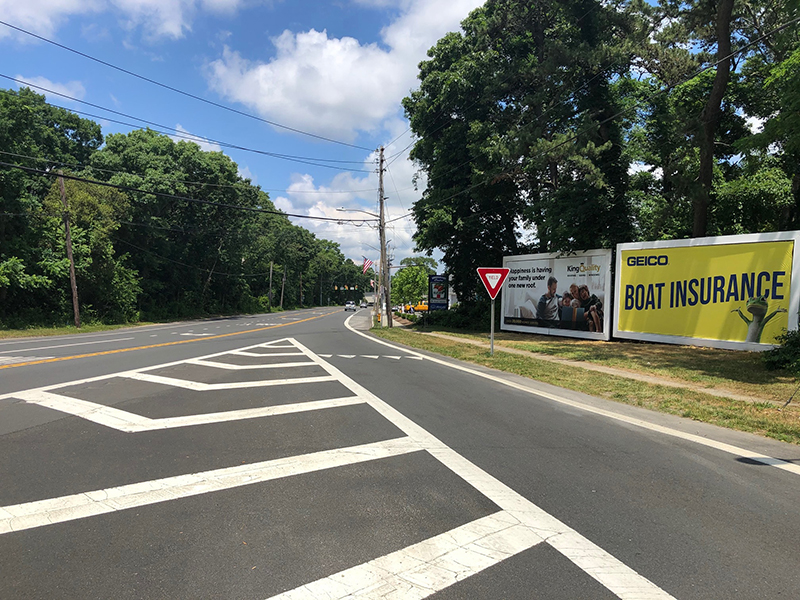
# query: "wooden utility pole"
[[384, 254], [73, 283], [283, 285], [269, 295]]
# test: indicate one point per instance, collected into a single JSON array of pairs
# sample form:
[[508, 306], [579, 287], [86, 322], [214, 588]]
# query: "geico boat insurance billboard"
[[736, 292]]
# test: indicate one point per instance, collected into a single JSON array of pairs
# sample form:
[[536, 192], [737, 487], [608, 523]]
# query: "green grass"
[[696, 367], [67, 330]]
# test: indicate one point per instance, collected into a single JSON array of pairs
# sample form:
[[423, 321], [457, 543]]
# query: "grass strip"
[[762, 418]]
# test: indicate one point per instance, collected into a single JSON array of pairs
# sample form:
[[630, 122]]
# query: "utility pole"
[[384, 254], [283, 285], [72, 280], [269, 296]]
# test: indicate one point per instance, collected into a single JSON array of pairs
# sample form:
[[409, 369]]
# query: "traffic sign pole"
[[492, 334]]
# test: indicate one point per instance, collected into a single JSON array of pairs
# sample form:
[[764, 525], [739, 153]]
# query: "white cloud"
[[755, 124], [337, 87], [186, 136], [157, 18], [42, 16], [71, 89]]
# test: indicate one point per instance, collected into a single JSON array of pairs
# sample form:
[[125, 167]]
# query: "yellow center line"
[[202, 339]]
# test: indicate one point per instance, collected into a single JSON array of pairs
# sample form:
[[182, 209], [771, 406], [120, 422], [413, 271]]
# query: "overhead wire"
[[182, 92], [194, 138], [203, 183], [177, 197]]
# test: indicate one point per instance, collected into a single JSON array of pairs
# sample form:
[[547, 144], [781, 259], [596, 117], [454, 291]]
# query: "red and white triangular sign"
[[493, 279]]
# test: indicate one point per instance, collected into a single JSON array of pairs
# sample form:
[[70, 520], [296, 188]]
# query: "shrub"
[[787, 355]]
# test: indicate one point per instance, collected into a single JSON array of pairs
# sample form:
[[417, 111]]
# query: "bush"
[[787, 355], [474, 316]]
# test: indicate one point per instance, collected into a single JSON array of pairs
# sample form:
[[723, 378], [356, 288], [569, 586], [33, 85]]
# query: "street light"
[[384, 278]]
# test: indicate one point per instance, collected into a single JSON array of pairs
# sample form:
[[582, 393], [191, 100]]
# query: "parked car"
[[350, 305], [363, 304], [412, 308]]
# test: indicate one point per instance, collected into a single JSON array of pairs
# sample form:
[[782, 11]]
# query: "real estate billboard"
[[558, 294], [735, 292]]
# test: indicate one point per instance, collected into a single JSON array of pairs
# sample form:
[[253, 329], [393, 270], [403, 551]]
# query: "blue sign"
[[438, 292]]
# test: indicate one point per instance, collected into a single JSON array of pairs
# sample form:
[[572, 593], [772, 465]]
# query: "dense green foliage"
[[578, 124], [204, 245]]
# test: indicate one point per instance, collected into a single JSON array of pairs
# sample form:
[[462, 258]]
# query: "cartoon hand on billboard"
[[758, 308]]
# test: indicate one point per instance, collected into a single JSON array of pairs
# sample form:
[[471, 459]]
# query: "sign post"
[[493, 279]]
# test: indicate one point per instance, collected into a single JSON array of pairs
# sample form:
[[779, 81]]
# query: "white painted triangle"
[[370, 356], [346, 355], [394, 357], [325, 355], [414, 357], [493, 278]]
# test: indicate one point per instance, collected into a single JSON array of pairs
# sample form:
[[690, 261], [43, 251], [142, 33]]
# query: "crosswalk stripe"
[[87, 504]]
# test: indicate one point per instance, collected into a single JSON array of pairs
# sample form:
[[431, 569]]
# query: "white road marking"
[[87, 504], [67, 345], [132, 423], [237, 385], [197, 334], [231, 367], [596, 562], [534, 523], [260, 355], [728, 448], [429, 566], [346, 355], [373, 356]]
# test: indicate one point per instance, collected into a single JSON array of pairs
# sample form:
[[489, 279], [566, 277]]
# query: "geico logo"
[[648, 261]]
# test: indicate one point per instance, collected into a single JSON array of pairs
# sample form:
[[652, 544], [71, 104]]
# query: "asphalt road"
[[293, 455]]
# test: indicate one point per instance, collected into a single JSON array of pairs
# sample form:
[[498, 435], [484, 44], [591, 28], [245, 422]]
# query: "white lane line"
[[231, 367], [197, 334], [261, 354], [128, 422], [422, 569], [728, 448], [596, 562], [67, 345], [237, 385], [28, 515]]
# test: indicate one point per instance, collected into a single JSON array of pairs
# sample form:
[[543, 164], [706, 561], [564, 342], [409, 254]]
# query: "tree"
[[516, 131], [409, 285]]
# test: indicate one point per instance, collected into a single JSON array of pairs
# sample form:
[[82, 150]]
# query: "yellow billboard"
[[733, 292]]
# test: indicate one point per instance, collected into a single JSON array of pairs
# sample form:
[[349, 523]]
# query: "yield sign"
[[493, 278]]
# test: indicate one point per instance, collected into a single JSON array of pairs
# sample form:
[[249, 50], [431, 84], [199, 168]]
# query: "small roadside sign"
[[493, 279]]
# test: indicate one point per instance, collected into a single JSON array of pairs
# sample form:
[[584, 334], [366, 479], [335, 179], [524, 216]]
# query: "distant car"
[[350, 305], [363, 305]]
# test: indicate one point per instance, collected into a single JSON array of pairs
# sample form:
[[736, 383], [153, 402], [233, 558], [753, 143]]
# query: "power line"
[[194, 138], [214, 185], [184, 198], [178, 91]]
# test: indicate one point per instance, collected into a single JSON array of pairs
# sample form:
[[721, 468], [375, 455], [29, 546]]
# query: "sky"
[[336, 70]]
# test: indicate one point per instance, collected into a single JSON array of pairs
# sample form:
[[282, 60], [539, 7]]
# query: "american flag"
[[367, 264]]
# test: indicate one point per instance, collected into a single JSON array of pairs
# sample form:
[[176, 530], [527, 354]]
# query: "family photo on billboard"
[[557, 294]]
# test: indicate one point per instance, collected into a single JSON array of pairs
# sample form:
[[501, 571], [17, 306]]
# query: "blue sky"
[[334, 69]]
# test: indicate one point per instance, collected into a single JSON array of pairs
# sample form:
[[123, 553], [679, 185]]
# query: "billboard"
[[438, 292], [735, 292], [567, 295]]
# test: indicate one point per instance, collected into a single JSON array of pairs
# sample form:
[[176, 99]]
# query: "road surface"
[[293, 456]]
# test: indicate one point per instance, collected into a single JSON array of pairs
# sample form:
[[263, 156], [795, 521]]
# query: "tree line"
[[160, 229], [558, 126]]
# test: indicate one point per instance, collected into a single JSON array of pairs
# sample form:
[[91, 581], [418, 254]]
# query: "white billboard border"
[[722, 240], [555, 331]]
